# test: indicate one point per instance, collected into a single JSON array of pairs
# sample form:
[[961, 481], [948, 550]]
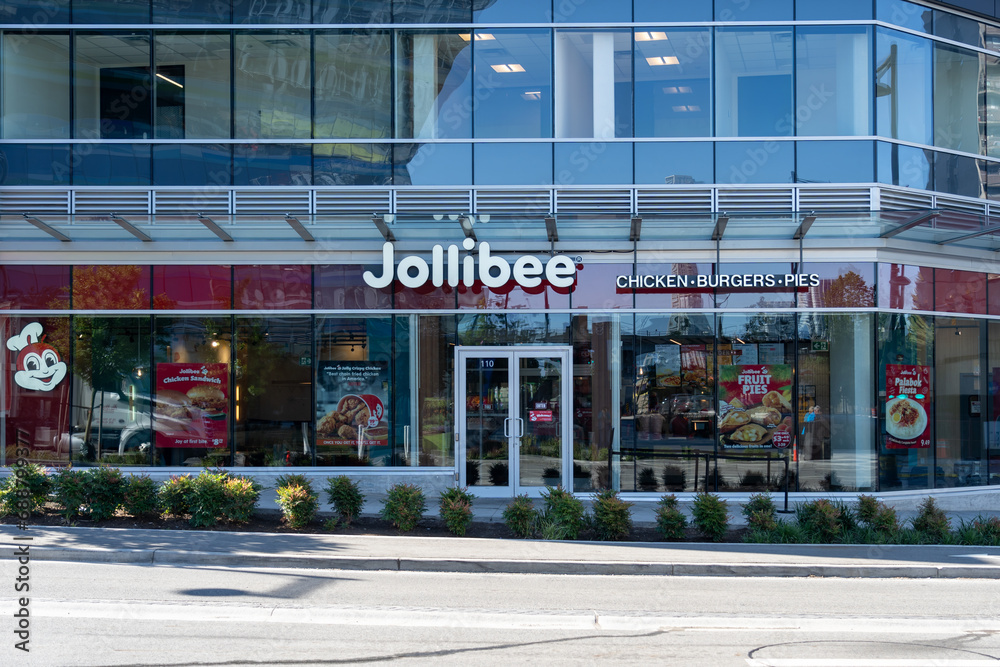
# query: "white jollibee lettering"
[[447, 267]]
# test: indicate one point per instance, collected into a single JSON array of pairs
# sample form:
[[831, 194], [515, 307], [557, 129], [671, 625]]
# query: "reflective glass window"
[[833, 83], [673, 83], [433, 98], [192, 164], [272, 11], [960, 28], [421, 11], [840, 286], [425, 297], [993, 295], [111, 287], [753, 94], [904, 165], [594, 163], [754, 296], [31, 12], [332, 12], [593, 390], [676, 163], [903, 287], [959, 418], [903, 93], [193, 391], [113, 86], [671, 10], [991, 111], [513, 86], [111, 164], [513, 328], [593, 85], [272, 82], [958, 83], [959, 175], [353, 89], [272, 287], [35, 87], [192, 287], [960, 291], [905, 14], [676, 297], [273, 391], [192, 86], [591, 11], [758, 10], [810, 10], [435, 338], [754, 162], [513, 164], [341, 287], [111, 11], [272, 164], [834, 162], [35, 164], [598, 287], [513, 296], [513, 11], [184, 11], [39, 287], [352, 164], [432, 164]]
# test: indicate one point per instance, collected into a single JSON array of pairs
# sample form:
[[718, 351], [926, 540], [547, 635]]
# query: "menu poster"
[[755, 409], [908, 399], [191, 405], [745, 354], [668, 365], [770, 353], [350, 403]]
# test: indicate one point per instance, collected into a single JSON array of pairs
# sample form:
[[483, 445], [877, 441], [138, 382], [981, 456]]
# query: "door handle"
[[520, 428], [506, 427]]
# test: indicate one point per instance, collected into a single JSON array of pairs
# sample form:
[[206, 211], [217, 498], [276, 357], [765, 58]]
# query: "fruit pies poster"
[[748, 385], [192, 405], [908, 401]]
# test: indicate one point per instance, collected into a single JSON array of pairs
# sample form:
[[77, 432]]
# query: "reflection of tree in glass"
[[849, 291]]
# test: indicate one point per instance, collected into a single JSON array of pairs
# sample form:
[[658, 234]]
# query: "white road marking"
[[868, 662]]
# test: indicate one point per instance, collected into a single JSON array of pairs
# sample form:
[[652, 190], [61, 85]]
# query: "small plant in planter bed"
[[932, 522], [141, 497], [520, 516], [760, 512], [612, 516], [105, 492], [292, 479], [670, 521], [456, 509], [821, 520], [30, 478], [298, 505], [69, 488], [710, 516], [241, 497], [563, 517], [174, 494], [403, 507], [346, 497], [206, 498]]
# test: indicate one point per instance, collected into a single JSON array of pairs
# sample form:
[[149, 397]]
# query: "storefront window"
[[903, 287], [111, 287], [840, 286], [341, 287], [960, 291], [958, 418], [598, 287], [675, 297], [273, 394], [595, 380], [38, 287], [272, 287], [436, 337], [991, 411], [200, 287], [740, 287]]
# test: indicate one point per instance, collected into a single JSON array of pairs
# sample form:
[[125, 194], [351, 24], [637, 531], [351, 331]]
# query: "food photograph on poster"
[[192, 405], [351, 416], [908, 396], [755, 409]]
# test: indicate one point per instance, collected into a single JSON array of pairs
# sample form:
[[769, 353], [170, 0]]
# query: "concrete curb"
[[507, 566]]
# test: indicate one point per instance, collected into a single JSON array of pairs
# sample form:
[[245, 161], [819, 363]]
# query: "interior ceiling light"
[[674, 90], [168, 80], [532, 95], [687, 107], [506, 69], [662, 60], [650, 36], [480, 36]]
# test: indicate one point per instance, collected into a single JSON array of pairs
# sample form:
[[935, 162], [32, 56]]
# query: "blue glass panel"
[[671, 10], [352, 164], [904, 14], [906, 111], [958, 175], [843, 10], [421, 11], [590, 11], [513, 11], [34, 164], [753, 10], [192, 164], [111, 11], [741, 162], [959, 28], [513, 85], [904, 165], [833, 81], [513, 164], [272, 11], [111, 164], [351, 11], [272, 164], [593, 163], [186, 11], [433, 164], [674, 163], [673, 83], [352, 94], [753, 82], [433, 84], [34, 13], [835, 162]]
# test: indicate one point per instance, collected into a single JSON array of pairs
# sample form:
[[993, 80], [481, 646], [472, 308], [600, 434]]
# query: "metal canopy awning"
[[955, 229]]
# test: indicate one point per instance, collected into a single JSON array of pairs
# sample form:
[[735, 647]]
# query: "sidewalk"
[[444, 554]]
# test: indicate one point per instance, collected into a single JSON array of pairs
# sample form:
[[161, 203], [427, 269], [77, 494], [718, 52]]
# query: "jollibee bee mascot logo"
[[38, 364]]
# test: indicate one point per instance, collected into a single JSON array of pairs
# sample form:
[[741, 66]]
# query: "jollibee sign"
[[446, 267]]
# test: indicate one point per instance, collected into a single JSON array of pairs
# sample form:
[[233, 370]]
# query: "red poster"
[[908, 399], [192, 405], [755, 408], [539, 415]]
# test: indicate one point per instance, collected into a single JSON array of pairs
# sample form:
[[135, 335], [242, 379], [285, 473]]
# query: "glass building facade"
[[735, 246]]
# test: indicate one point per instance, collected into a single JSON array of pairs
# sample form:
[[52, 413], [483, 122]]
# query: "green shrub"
[[867, 508], [710, 516], [821, 520], [932, 522], [783, 532], [330, 524], [69, 488], [456, 509], [647, 479], [563, 515], [141, 496], [612, 516], [293, 480], [670, 521], [404, 506], [105, 492], [848, 517], [760, 511], [241, 497], [174, 494], [298, 505], [26, 489], [885, 520], [980, 531], [520, 516], [346, 498], [206, 498]]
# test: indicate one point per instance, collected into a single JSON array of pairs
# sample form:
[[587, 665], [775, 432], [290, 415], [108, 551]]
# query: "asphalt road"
[[101, 614]]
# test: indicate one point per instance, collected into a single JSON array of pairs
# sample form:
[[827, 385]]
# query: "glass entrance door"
[[513, 419]]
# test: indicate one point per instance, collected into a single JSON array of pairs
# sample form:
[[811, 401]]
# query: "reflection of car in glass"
[[124, 423]]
